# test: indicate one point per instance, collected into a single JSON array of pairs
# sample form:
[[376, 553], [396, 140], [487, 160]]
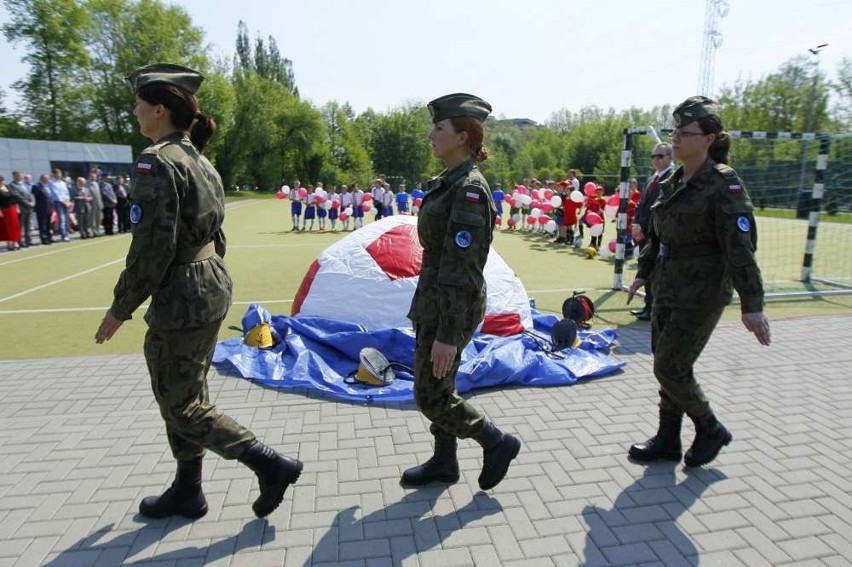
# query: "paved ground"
[[81, 442]]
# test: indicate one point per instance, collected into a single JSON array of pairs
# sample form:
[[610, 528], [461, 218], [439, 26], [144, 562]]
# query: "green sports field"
[[52, 298]]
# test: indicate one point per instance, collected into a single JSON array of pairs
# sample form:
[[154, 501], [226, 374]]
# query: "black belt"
[[196, 254], [689, 250], [430, 261]]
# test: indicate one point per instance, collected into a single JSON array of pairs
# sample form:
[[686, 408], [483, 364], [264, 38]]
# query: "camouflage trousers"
[[178, 361], [438, 400], [677, 338]]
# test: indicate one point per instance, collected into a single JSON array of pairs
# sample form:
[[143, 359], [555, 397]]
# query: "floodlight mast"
[[715, 10]]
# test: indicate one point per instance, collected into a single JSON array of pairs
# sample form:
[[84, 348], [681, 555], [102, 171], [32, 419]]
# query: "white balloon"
[[610, 212], [556, 201], [535, 213], [326, 205], [596, 229], [604, 252], [577, 197], [550, 227], [285, 188], [516, 217], [527, 200], [348, 211]]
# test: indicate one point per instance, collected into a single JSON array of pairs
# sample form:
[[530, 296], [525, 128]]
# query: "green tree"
[[842, 88], [265, 61], [9, 125], [400, 143], [127, 34], [51, 33], [274, 136], [348, 157]]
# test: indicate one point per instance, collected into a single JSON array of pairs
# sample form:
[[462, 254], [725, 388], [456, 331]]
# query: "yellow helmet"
[[260, 336], [591, 252]]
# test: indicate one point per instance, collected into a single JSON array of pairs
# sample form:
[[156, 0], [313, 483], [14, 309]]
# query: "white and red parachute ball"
[[369, 278]]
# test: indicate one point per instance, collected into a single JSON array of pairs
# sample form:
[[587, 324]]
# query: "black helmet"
[[564, 334]]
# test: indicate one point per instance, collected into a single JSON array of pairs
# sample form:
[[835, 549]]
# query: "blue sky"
[[528, 58]]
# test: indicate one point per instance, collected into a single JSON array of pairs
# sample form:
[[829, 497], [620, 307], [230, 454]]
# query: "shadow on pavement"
[[645, 514], [404, 519], [92, 551]]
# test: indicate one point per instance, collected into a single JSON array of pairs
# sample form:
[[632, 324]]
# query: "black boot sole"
[[272, 504], [444, 479], [690, 461], [511, 451], [152, 512], [640, 458]]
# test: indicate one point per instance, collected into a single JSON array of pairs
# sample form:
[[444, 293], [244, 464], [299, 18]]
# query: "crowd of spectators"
[[56, 206]]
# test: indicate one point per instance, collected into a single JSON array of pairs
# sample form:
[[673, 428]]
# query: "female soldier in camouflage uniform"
[[455, 227], [176, 211], [702, 244]]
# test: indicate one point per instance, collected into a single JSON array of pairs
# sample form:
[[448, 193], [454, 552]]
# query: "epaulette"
[[727, 172]]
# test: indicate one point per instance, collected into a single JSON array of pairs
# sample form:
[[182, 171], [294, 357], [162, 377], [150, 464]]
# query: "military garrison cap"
[[458, 104], [165, 73], [692, 109]]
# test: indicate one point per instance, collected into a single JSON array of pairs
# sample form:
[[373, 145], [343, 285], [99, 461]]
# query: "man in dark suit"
[[661, 158], [43, 207]]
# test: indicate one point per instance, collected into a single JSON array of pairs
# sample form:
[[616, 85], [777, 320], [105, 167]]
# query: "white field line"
[[78, 244], [59, 281], [83, 309]]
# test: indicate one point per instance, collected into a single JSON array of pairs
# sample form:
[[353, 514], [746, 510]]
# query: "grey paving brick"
[[76, 462]]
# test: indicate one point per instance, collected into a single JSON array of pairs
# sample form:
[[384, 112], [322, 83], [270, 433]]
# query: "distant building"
[[517, 122], [75, 158]]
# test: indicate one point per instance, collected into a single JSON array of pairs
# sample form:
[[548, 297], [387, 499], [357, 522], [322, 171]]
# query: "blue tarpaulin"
[[319, 353]]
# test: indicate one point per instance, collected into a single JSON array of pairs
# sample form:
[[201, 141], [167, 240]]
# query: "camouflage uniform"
[[176, 213], [701, 245], [455, 227]]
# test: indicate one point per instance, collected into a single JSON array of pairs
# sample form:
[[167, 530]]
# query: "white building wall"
[[35, 156]]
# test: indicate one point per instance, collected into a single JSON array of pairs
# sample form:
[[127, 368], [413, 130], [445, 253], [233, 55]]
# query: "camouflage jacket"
[[455, 227], [702, 242], [177, 206]]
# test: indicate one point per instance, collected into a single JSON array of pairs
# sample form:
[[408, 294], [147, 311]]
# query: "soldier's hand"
[[443, 357], [634, 287], [108, 327], [758, 324]]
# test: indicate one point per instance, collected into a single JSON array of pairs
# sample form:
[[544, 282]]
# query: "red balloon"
[[613, 200], [418, 201], [367, 197], [509, 200], [302, 192], [510, 223], [590, 189], [499, 220], [546, 208], [548, 193], [536, 204], [366, 207], [343, 216], [543, 220], [531, 220], [335, 204], [612, 244], [280, 195], [319, 199], [593, 218]]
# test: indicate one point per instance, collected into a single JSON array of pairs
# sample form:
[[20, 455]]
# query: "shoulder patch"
[[743, 224], [135, 213], [463, 239], [143, 167]]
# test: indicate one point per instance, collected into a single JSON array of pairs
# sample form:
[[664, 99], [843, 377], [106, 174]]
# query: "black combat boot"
[[274, 473], [183, 498], [665, 445], [443, 466], [500, 448], [710, 437]]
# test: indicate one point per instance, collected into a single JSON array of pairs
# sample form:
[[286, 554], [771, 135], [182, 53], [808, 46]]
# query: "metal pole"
[[803, 207]]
